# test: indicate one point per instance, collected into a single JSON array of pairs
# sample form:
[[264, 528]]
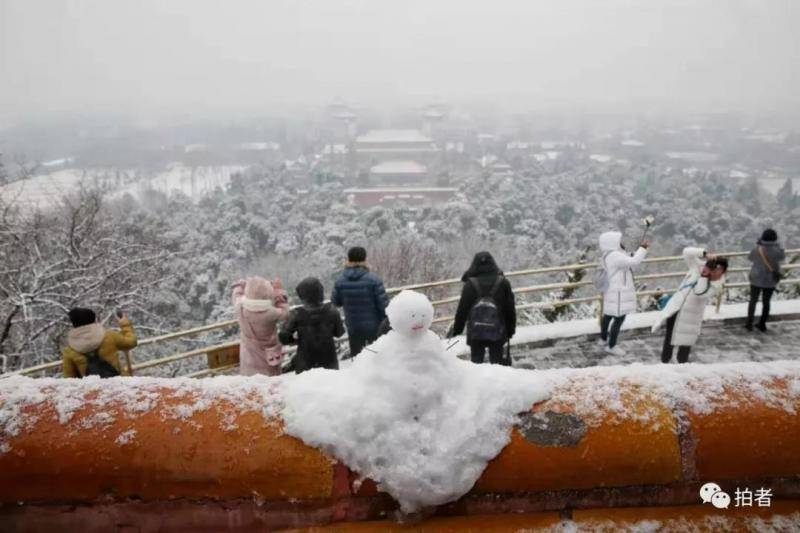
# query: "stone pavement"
[[720, 341]]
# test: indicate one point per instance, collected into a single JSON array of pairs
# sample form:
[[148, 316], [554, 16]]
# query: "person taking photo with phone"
[[93, 350]]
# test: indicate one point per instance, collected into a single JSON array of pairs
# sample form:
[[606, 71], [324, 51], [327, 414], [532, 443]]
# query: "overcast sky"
[[199, 56]]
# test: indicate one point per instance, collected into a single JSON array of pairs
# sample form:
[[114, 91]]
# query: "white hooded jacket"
[[689, 301], [620, 297]]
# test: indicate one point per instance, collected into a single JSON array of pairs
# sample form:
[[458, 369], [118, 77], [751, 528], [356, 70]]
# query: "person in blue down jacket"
[[363, 297], [765, 274]]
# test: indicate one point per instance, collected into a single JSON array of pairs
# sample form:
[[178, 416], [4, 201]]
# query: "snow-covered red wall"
[[157, 451]]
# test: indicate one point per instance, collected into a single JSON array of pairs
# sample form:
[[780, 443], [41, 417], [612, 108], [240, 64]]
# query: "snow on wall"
[[128, 396], [720, 522], [699, 388], [409, 415]]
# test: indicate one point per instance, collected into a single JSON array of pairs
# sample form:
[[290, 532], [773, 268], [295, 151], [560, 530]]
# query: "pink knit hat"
[[258, 288]]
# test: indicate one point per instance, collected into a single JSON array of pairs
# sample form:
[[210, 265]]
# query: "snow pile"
[[408, 414]]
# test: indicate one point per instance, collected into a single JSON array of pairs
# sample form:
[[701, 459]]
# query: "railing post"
[[600, 311], [128, 362]]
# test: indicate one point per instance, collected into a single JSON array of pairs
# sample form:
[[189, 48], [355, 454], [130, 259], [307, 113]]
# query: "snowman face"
[[410, 314]]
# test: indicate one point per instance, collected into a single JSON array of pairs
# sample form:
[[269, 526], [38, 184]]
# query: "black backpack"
[[97, 366], [317, 329], [485, 322]]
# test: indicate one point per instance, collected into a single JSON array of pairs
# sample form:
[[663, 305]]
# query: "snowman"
[[413, 362], [408, 413]]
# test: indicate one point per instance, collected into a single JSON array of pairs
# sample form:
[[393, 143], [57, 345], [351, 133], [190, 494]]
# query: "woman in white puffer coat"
[[619, 298], [683, 314]]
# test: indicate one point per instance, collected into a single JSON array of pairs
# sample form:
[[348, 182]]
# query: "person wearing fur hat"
[[765, 274], [313, 327], [88, 339], [363, 297], [619, 298], [259, 306]]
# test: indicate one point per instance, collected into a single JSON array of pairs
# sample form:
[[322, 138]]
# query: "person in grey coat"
[[764, 276]]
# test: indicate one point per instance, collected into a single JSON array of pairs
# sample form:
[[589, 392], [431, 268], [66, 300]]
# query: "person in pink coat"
[[259, 307]]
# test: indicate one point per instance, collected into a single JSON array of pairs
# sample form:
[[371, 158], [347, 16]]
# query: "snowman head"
[[410, 314]]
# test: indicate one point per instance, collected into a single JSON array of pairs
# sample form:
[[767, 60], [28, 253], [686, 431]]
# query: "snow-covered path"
[[724, 339], [719, 342]]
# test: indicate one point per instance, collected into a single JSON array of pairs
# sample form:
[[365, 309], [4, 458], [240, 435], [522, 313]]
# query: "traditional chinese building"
[[399, 173], [380, 146], [372, 196]]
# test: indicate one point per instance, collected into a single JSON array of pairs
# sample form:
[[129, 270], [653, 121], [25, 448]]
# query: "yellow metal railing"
[[545, 287]]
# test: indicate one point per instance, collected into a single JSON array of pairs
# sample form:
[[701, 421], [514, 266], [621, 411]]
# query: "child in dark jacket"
[[315, 325]]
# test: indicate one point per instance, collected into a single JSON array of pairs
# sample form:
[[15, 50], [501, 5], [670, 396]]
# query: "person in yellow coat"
[[94, 350]]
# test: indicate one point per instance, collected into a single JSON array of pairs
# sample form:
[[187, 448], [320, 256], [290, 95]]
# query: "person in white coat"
[[683, 313], [619, 298]]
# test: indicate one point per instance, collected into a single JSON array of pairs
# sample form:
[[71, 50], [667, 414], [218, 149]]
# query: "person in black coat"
[[316, 324], [490, 282]]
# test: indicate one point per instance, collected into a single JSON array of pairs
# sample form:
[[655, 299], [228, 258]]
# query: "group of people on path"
[[486, 310], [682, 312], [267, 323]]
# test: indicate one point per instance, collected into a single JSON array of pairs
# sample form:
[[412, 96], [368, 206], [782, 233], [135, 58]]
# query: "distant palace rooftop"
[[393, 136], [399, 167]]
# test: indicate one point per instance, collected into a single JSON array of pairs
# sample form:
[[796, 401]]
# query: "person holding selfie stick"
[[93, 350], [683, 312], [615, 281]]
